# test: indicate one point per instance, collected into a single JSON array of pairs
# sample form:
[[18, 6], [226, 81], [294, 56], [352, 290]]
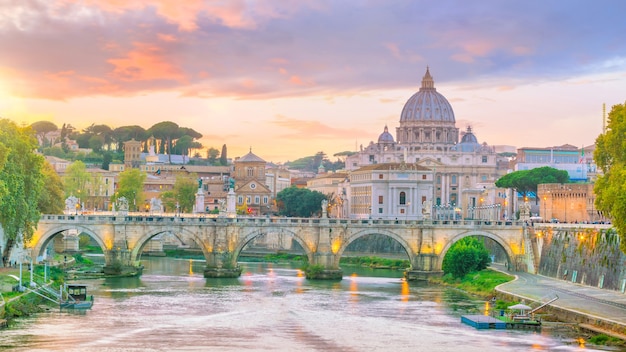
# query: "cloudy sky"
[[289, 78]]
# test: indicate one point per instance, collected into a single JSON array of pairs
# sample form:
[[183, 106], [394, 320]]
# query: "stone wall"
[[586, 256]]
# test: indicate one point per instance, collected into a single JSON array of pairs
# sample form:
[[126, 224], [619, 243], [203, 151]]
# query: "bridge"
[[221, 239]]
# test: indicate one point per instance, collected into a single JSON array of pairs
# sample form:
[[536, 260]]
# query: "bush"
[[465, 256]]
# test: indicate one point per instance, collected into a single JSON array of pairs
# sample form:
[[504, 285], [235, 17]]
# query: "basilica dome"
[[427, 105], [385, 137]]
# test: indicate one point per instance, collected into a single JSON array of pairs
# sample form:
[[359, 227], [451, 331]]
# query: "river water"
[[271, 307]]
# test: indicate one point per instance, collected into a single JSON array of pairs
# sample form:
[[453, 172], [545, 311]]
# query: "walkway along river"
[[269, 308]]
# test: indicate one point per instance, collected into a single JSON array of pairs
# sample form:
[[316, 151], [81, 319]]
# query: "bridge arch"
[[176, 231], [356, 235], [43, 241], [264, 231], [499, 240]]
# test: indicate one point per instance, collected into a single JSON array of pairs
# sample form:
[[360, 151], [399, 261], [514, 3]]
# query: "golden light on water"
[[404, 291], [190, 267], [354, 288]]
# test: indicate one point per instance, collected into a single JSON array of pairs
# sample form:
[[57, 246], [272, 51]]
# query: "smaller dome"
[[385, 137], [469, 137], [469, 142]]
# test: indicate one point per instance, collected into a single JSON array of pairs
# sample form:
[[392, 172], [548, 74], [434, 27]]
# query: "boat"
[[76, 297]]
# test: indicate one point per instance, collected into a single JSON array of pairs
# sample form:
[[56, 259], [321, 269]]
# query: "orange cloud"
[[296, 80], [314, 129], [146, 62], [184, 14]]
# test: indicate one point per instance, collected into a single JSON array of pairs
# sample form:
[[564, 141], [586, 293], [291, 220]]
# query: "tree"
[[77, 181], [52, 195], [185, 188], [525, 181], [42, 128], [183, 194], [465, 256], [223, 158], [212, 154], [21, 183], [130, 186], [167, 132], [610, 156], [126, 133], [300, 202]]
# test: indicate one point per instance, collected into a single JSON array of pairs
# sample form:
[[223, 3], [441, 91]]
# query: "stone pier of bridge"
[[221, 239]]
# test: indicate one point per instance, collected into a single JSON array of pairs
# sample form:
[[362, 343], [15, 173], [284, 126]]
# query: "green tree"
[[610, 156], [212, 155], [51, 199], [185, 188], [42, 128], [465, 256], [525, 181], [300, 202], [77, 181], [130, 186], [167, 132], [223, 158], [21, 183]]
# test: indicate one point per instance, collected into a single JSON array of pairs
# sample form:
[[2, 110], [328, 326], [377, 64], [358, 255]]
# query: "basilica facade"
[[452, 174]]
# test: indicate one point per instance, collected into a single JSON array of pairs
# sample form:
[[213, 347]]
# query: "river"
[[271, 307]]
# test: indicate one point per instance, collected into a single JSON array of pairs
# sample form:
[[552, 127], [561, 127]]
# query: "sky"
[[290, 78]]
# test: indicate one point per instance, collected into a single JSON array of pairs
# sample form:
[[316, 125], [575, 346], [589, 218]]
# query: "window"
[[380, 176], [454, 179], [423, 177], [265, 200], [380, 210], [484, 159], [257, 200], [248, 199], [402, 198], [240, 199], [380, 199]]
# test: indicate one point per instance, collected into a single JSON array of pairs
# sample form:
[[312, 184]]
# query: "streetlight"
[[177, 209]]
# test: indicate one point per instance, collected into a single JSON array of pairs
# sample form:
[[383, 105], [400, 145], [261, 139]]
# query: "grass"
[[376, 262], [481, 283]]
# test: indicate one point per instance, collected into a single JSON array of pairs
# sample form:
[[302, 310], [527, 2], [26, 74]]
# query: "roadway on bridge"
[[603, 304]]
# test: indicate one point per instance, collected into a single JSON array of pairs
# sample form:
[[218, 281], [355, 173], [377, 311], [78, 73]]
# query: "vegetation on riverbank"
[[481, 283], [377, 262]]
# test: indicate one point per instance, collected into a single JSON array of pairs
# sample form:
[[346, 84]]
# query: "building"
[[391, 191], [464, 170], [569, 202], [566, 157], [254, 197]]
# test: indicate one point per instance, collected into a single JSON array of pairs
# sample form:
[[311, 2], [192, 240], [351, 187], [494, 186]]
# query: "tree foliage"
[[130, 186], [42, 128], [610, 156], [51, 199], [466, 256], [299, 202], [525, 181], [77, 181], [21, 183]]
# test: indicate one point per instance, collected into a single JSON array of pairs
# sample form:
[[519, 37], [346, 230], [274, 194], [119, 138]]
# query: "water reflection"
[[270, 307]]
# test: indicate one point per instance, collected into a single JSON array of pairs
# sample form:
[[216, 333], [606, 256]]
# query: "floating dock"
[[483, 322]]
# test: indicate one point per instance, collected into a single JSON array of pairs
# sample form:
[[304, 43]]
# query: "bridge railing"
[[139, 217]]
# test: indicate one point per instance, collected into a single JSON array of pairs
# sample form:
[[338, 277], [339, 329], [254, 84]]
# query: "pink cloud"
[[145, 62], [314, 129]]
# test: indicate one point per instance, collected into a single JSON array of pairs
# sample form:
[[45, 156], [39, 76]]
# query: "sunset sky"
[[289, 78]]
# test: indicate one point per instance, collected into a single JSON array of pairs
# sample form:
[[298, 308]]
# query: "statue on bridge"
[[524, 211], [426, 208], [155, 205], [324, 208], [71, 204], [122, 204]]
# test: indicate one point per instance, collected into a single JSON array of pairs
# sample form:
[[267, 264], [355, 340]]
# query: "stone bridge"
[[122, 239]]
